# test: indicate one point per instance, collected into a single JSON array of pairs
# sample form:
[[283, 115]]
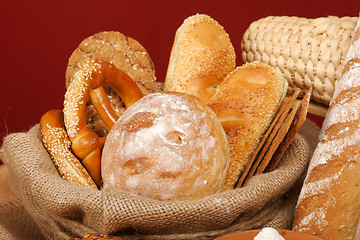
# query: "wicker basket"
[[308, 52]]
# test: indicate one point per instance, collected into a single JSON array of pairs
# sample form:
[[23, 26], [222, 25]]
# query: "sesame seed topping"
[[57, 143]]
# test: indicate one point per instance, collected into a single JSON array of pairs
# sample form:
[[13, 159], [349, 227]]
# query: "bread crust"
[[167, 146], [245, 103], [57, 143], [328, 205], [98, 237], [126, 54], [87, 83], [201, 57]]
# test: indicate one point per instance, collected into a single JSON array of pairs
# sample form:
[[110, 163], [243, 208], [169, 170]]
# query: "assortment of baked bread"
[[192, 137], [210, 127]]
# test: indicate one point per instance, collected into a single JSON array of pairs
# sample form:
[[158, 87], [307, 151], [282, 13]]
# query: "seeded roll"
[[245, 104], [201, 57]]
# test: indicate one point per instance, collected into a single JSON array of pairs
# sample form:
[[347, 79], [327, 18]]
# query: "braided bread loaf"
[[308, 52]]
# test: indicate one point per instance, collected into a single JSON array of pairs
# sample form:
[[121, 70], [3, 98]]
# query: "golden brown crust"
[[88, 82], [267, 138], [57, 143], [279, 137], [328, 205], [124, 53], [167, 146], [245, 103], [296, 123], [201, 57]]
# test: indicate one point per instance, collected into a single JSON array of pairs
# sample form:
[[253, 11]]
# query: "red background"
[[37, 38]]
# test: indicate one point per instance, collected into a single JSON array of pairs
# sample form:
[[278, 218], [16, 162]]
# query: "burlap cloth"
[[48, 207]]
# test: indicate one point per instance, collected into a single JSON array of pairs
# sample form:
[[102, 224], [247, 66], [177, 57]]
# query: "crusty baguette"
[[328, 205], [245, 103], [201, 57]]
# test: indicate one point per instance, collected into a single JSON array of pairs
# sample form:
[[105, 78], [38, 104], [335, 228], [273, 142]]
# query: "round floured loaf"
[[167, 146]]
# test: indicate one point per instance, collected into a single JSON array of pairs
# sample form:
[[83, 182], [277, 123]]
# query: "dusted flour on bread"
[[167, 146], [328, 204]]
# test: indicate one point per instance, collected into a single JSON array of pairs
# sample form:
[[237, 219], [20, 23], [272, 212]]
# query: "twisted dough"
[[88, 82], [308, 52], [124, 53], [57, 143]]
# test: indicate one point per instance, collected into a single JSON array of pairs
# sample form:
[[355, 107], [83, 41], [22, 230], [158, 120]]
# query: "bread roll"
[[245, 103], [328, 205], [201, 57], [167, 146]]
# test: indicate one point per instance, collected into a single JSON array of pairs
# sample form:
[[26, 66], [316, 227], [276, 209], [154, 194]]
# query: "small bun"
[[201, 57], [167, 146]]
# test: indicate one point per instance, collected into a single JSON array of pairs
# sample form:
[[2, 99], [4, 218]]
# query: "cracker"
[[280, 135], [298, 121], [268, 136]]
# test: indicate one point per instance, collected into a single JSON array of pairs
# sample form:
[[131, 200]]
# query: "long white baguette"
[[329, 202]]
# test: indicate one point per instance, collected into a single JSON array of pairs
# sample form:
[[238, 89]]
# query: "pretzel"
[[57, 143], [88, 82]]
